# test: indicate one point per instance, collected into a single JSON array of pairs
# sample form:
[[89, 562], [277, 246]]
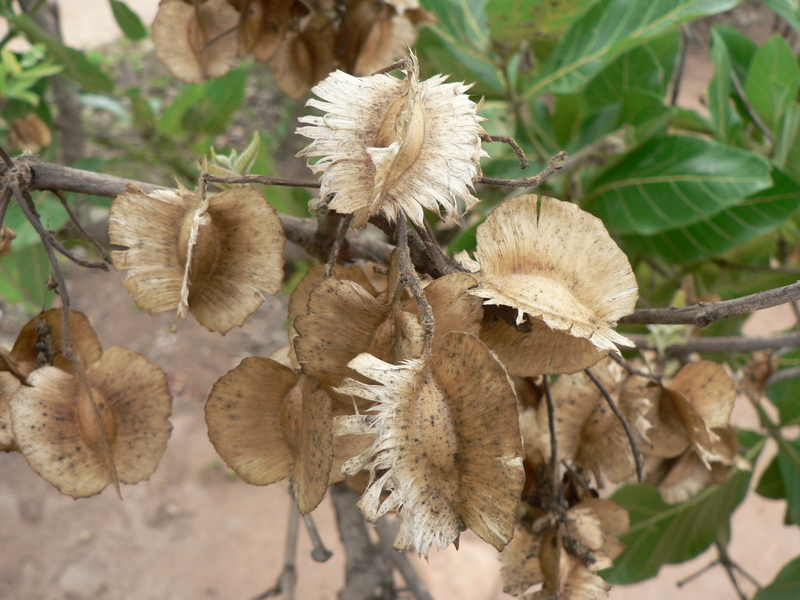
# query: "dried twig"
[[409, 278], [530, 182], [637, 452], [262, 179], [287, 580], [94, 241], [724, 343], [630, 368], [319, 553], [386, 532], [338, 241], [703, 314], [523, 160]]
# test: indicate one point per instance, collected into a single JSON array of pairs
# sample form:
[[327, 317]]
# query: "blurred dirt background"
[[195, 532]]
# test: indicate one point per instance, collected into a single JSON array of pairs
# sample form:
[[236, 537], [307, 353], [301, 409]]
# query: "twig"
[[287, 580], [784, 375], [408, 278], [434, 251], [637, 452], [5, 200], [523, 160], [319, 553], [703, 314], [697, 573], [678, 76], [725, 343], [217, 38], [755, 268], [386, 532], [729, 566], [365, 569], [530, 182], [338, 241], [551, 423], [737, 85], [262, 179], [63, 199], [630, 369]]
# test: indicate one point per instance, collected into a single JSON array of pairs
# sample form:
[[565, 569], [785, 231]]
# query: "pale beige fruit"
[[268, 423], [304, 58], [196, 41], [565, 553], [56, 430], [447, 445], [8, 387], [7, 236], [213, 257], [551, 261], [39, 343], [263, 25], [395, 146]]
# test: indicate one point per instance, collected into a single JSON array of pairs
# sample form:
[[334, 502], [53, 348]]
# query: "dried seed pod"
[[263, 25], [7, 236], [304, 58], [233, 245], [55, 428], [551, 261], [394, 146], [268, 423], [8, 387], [564, 554], [447, 444], [39, 343], [196, 40]]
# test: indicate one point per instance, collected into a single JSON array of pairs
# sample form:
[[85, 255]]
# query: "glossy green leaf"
[[608, 28], [128, 21], [731, 227], [462, 32], [723, 115], [663, 533], [790, 475], [513, 21], [205, 108], [741, 48], [672, 182], [771, 483], [785, 586], [788, 9], [785, 396], [773, 80], [76, 66]]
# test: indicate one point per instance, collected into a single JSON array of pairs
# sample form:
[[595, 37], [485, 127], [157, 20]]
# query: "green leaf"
[[205, 108], [731, 227], [663, 533], [462, 33], [790, 474], [771, 483], [785, 586], [787, 142], [23, 277], [76, 66], [608, 28], [773, 80], [740, 48], [671, 182], [245, 162], [514, 21], [785, 396], [788, 9], [723, 116], [128, 21]]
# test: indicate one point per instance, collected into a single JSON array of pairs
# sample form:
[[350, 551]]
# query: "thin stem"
[[5, 200], [434, 251], [319, 553], [63, 199], [729, 344], [336, 247], [217, 38], [678, 77], [262, 179], [637, 452], [703, 314], [696, 574], [408, 276], [287, 580], [784, 375], [737, 85], [400, 64], [755, 268], [530, 182], [6, 158], [523, 160], [630, 369], [729, 566], [386, 532], [551, 423]]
